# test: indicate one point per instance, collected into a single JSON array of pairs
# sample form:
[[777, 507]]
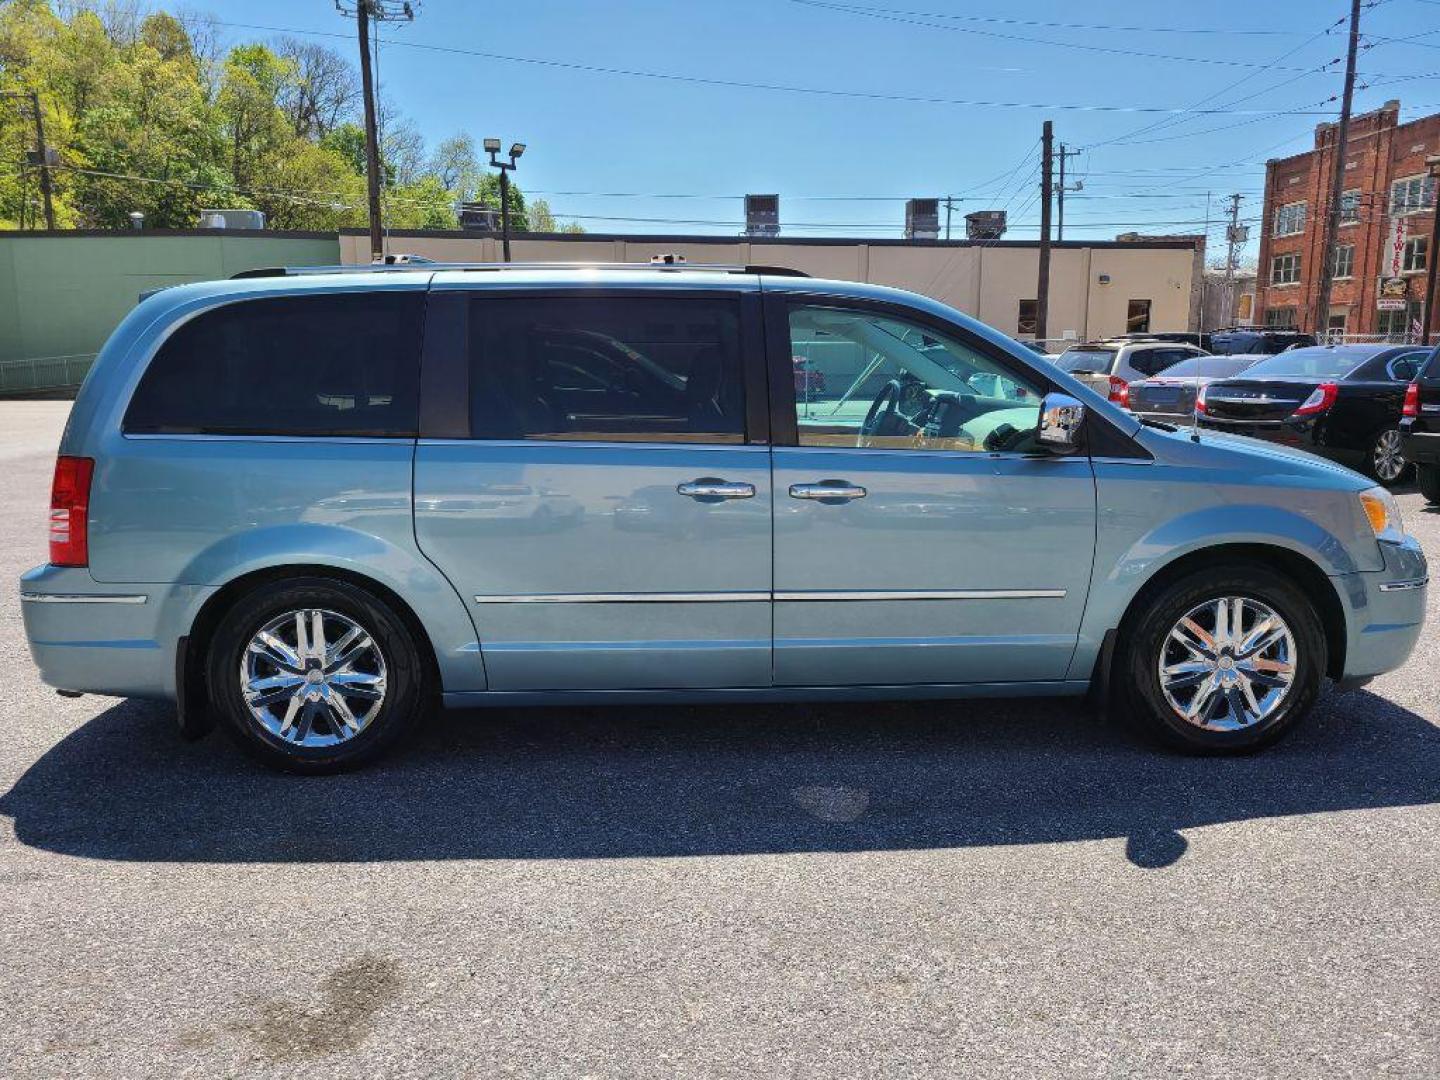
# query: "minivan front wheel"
[[314, 675], [1223, 660]]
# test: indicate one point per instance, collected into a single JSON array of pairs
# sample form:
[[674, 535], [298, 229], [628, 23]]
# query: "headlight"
[[1383, 513]]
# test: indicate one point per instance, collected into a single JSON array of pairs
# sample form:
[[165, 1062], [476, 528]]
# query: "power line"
[[1111, 50], [861, 95], [999, 20]]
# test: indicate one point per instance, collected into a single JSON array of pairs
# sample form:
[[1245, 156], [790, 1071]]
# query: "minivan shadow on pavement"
[[715, 780]]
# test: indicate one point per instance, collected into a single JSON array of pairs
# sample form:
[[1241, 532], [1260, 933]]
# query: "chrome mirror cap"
[[1061, 417]]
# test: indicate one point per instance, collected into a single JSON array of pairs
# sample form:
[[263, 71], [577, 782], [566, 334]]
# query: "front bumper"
[[105, 639], [1384, 610]]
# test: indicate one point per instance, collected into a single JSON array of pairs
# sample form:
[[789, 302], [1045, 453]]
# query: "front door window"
[[868, 380]]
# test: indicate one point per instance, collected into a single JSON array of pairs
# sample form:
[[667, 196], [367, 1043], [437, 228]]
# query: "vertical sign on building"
[[1399, 232]]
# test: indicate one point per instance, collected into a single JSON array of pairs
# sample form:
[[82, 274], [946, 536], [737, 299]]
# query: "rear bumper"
[[1422, 447], [1384, 611], [105, 639], [1303, 434]]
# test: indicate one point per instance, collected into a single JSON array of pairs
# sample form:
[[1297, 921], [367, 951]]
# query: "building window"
[[1285, 269], [1344, 262], [1399, 326], [1349, 207], [1290, 219], [1335, 325], [1411, 195], [1137, 317], [1027, 320], [1280, 316], [1413, 258]]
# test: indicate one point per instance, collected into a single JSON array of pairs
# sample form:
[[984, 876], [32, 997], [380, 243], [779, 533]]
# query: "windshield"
[[1314, 363], [1207, 367], [1093, 361]]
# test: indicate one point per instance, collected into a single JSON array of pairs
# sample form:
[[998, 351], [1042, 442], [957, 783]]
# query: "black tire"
[[1376, 454], [405, 693], [1138, 694], [1429, 479]]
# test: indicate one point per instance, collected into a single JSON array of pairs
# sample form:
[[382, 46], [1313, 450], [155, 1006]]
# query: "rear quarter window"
[[316, 365]]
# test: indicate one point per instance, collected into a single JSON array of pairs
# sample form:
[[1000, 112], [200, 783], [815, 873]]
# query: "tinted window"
[[1315, 363], [1209, 367], [638, 369], [1430, 372], [1154, 361], [1090, 361], [336, 364]]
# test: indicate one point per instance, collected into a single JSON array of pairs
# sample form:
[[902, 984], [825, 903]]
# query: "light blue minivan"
[[309, 505]]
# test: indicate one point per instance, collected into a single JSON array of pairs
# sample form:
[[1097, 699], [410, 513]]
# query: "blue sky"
[[843, 164]]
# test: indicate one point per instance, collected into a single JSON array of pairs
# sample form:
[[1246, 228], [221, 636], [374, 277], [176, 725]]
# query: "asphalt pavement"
[[978, 889]]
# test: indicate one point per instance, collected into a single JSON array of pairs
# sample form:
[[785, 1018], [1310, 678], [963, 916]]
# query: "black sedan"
[[1340, 401]]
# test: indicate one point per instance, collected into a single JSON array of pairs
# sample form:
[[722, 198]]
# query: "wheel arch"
[[191, 677], [1291, 564]]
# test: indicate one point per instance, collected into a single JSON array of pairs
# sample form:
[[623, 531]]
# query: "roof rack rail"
[[407, 264]]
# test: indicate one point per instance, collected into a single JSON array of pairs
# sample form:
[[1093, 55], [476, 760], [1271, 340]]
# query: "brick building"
[[1382, 246]]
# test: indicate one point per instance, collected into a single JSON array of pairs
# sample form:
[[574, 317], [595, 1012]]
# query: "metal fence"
[[43, 374]]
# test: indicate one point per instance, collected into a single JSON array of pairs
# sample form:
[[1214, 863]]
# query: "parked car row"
[[1347, 403]]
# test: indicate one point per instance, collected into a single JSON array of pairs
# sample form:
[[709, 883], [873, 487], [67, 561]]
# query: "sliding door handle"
[[713, 489], [827, 491]]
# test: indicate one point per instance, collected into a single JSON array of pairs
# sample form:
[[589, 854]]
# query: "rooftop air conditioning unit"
[[232, 219], [762, 215], [985, 225], [476, 217], [922, 219]]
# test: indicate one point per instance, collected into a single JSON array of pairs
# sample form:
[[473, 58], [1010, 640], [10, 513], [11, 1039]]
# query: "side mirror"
[[1061, 417]]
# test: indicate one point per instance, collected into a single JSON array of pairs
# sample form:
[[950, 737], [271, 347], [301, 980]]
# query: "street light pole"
[[492, 147]]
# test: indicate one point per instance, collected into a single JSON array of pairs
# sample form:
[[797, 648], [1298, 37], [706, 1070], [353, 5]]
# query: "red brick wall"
[[1379, 152]]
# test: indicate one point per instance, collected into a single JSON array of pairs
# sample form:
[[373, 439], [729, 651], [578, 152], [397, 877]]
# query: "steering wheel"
[[883, 410]]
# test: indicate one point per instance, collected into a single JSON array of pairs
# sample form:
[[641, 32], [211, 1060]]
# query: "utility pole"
[[949, 209], [1060, 190], [44, 160], [380, 11], [1042, 287], [1235, 238], [43, 155], [1321, 323], [1432, 167]]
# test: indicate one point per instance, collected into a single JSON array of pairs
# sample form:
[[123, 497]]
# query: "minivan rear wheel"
[[315, 675], [1224, 660]]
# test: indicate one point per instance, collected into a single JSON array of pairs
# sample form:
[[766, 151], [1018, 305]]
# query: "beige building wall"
[[987, 281]]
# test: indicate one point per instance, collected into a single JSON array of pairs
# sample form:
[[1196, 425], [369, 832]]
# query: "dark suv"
[[1239, 340], [1420, 427]]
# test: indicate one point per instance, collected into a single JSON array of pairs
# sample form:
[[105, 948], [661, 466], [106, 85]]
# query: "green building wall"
[[61, 294]]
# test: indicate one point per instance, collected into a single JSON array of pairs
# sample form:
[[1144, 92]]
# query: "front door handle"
[[713, 489], [828, 491]]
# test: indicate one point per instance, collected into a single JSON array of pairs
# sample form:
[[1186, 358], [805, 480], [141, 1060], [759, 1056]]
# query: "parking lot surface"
[[934, 889]]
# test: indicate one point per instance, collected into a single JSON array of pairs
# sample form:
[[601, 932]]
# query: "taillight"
[[1200, 406], [70, 511], [1119, 391], [1320, 399], [1412, 400]]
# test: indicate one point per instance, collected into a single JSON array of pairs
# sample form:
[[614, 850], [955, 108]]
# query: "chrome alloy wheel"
[[313, 677], [1387, 458], [1227, 664]]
